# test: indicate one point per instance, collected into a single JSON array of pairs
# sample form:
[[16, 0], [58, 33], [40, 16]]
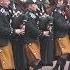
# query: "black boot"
[[62, 63], [50, 64], [69, 67], [57, 65], [34, 66]]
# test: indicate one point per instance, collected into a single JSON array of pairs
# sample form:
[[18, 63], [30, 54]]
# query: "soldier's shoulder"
[[31, 15], [3, 11]]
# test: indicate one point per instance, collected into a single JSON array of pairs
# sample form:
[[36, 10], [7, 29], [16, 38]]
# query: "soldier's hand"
[[20, 31], [49, 28], [17, 31], [46, 33]]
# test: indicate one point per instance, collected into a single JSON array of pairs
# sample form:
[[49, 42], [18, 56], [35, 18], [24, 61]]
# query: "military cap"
[[51, 2], [29, 1]]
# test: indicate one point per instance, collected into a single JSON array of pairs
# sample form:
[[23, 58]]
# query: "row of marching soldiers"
[[34, 33]]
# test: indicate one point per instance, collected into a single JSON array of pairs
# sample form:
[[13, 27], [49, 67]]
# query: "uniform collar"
[[4, 10], [59, 10]]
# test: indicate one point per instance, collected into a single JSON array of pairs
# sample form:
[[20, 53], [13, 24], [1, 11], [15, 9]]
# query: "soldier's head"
[[49, 6], [60, 3], [31, 5], [69, 2], [4, 3], [66, 2], [67, 8]]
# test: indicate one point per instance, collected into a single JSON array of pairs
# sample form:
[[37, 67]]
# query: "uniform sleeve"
[[32, 29], [4, 26], [44, 22], [60, 21], [17, 21]]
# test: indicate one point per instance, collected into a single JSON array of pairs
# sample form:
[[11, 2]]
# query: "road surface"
[[54, 62]]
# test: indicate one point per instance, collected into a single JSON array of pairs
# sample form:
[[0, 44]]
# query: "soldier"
[[67, 12], [32, 29], [17, 38], [45, 40], [61, 27], [6, 55], [32, 24]]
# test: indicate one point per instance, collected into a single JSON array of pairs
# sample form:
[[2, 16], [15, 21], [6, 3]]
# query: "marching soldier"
[[61, 27], [6, 54], [67, 12], [32, 29], [47, 43], [17, 37]]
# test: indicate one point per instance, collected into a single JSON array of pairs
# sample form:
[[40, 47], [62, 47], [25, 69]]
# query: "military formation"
[[34, 33]]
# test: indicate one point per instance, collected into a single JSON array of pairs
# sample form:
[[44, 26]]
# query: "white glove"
[[46, 33], [20, 31]]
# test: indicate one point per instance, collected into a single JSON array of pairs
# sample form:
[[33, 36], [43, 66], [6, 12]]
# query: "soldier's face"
[[33, 7], [5, 2], [69, 2], [60, 2], [48, 9]]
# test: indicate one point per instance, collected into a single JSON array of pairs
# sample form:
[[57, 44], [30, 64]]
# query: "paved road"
[[50, 68]]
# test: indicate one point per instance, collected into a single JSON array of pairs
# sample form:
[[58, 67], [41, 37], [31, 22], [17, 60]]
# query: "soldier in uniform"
[[47, 43], [67, 12], [61, 27], [32, 29], [33, 32], [17, 38], [6, 55]]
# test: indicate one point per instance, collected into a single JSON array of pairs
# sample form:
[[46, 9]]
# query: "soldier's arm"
[[32, 29], [3, 29], [60, 21], [17, 21]]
